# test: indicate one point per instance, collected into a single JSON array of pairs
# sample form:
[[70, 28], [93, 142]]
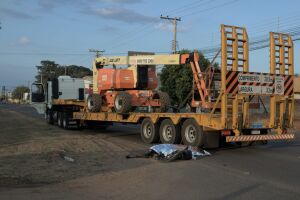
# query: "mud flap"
[[211, 139]]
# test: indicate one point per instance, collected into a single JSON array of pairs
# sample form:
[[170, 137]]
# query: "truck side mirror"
[[37, 93]]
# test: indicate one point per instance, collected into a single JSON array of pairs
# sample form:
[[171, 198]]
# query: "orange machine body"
[[109, 79], [139, 81]]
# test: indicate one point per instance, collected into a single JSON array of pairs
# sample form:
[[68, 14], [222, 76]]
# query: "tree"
[[19, 91], [49, 70], [78, 71], [177, 80]]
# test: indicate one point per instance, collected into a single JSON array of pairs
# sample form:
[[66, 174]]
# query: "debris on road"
[[172, 152], [67, 158]]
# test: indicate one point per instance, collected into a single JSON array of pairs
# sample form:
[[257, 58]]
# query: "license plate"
[[255, 132]]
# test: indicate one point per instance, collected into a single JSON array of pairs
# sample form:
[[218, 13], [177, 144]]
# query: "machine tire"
[[122, 102], [149, 131], [94, 102], [164, 100], [49, 117], [192, 134], [169, 133]]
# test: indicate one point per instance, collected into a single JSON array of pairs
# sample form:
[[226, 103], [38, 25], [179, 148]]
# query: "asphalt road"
[[258, 172]]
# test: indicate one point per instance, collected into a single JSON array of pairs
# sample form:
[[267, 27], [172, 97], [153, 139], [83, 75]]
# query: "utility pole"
[[98, 52], [174, 21]]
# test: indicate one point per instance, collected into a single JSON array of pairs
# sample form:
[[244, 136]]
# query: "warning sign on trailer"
[[254, 78], [255, 83], [279, 85], [249, 89]]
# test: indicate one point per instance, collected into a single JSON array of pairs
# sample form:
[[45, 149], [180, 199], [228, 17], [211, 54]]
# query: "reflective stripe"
[[244, 138]]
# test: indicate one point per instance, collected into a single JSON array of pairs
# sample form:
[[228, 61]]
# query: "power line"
[[189, 6], [211, 8]]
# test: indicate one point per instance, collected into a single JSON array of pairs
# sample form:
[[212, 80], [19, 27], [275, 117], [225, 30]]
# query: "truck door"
[[37, 93], [37, 97]]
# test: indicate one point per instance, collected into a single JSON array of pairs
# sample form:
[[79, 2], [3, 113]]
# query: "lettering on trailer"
[[249, 89], [258, 83]]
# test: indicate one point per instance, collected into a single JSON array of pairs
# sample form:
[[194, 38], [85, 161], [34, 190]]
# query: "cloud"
[[15, 14], [169, 27], [120, 14], [122, 1], [52, 4], [23, 41], [164, 26], [108, 29], [49, 5]]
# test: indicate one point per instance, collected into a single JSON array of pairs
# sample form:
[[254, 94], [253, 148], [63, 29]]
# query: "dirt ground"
[[32, 165], [32, 152]]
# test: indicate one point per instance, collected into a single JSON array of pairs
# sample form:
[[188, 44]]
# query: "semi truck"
[[228, 101]]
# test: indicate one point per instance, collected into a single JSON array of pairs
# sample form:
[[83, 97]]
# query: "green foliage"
[[49, 70], [18, 92], [177, 80]]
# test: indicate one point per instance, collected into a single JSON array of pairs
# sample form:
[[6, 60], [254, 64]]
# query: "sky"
[[64, 30]]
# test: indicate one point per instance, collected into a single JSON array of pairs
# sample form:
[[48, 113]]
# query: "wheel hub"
[[190, 134], [167, 133], [147, 131]]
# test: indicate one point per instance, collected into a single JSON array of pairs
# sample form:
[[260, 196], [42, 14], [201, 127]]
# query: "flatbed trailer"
[[250, 106]]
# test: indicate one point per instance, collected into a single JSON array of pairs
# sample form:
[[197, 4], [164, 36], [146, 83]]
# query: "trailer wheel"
[[164, 100], [65, 120], [169, 133], [149, 131], [49, 117], [59, 119], [122, 102], [192, 134], [94, 102]]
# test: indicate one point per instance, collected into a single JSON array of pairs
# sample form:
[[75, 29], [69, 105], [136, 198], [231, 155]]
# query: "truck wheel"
[[169, 133], [94, 102], [122, 102], [192, 134], [164, 100], [149, 131], [59, 119], [65, 120], [49, 117]]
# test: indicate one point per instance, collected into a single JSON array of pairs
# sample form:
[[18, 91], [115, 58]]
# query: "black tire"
[[149, 131], [94, 102], [59, 119], [164, 100], [122, 103], [192, 134], [65, 120], [169, 133], [49, 117]]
